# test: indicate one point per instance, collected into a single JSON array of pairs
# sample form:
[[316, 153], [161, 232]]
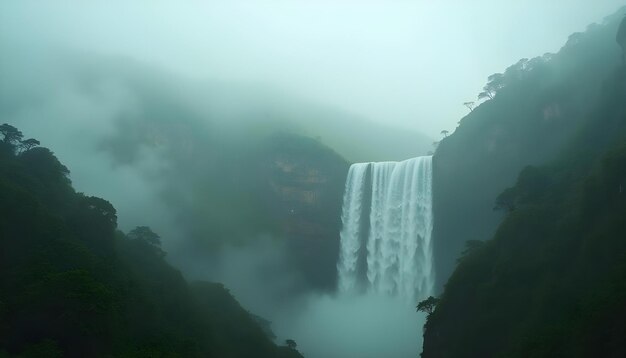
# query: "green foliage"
[[495, 83], [10, 134], [28, 144], [551, 282], [291, 343], [539, 107], [148, 239], [146, 234], [428, 305], [12, 140], [72, 285], [470, 105]]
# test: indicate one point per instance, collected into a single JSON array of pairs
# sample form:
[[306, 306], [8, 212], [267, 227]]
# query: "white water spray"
[[351, 219], [398, 243]]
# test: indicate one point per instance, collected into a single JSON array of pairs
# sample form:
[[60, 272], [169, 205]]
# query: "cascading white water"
[[399, 252], [351, 229]]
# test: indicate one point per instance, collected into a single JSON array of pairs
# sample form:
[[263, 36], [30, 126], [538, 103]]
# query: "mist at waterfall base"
[[384, 269], [368, 325], [338, 325]]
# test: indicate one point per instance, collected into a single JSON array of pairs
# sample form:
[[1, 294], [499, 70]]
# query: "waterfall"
[[398, 248], [351, 226]]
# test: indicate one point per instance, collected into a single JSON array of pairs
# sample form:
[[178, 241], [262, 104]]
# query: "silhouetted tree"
[[44, 165], [428, 305], [470, 105], [516, 72], [102, 208], [484, 95], [495, 82], [11, 135], [28, 144], [444, 133], [291, 343], [146, 234]]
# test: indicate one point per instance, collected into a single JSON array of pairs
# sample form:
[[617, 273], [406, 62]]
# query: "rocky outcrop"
[[303, 191]]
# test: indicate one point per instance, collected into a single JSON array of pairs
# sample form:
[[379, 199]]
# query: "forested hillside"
[[72, 285], [551, 281], [526, 115]]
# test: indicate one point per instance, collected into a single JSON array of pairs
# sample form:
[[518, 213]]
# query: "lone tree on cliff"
[[10, 134], [428, 305], [291, 343], [495, 83]]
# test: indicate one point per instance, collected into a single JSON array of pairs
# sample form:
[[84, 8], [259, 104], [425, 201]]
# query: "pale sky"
[[404, 62]]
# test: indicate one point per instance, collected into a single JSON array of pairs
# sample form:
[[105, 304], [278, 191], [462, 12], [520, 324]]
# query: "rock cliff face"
[[230, 189], [304, 182]]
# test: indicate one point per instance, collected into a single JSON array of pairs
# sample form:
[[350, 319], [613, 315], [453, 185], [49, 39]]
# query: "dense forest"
[[538, 106], [551, 281], [72, 285], [237, 187]]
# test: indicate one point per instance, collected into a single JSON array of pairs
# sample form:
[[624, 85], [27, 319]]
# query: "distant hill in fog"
[[130, 92], [209, 149]]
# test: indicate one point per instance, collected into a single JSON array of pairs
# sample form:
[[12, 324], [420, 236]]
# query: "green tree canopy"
[[11, 135], [291, 343], [428, 305], [144, 233], [28, 144]]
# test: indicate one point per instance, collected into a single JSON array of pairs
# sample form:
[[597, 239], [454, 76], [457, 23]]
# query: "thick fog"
[[324, 325], [374, 80], [411, 63]]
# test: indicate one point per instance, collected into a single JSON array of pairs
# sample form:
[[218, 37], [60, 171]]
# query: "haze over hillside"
[[287, 178]]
